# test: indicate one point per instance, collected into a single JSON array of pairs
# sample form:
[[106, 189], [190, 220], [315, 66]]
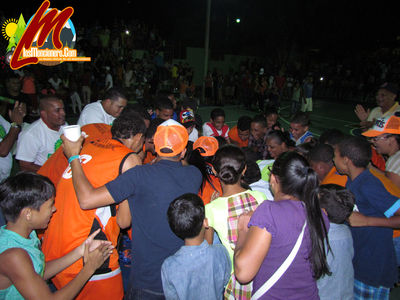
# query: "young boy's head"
[[243, 127], [218, 118], [271, 116], [337, 201], [299, 125], [186, 216], [258, 127], [164, 108], [352, 152], [28, 195]]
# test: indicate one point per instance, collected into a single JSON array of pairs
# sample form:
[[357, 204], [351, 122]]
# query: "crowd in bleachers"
[[150, 202]]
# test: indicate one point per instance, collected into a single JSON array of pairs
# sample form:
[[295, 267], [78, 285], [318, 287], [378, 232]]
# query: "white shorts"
[[306, 106]]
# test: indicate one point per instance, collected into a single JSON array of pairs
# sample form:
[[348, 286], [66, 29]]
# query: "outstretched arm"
[[16, 265]]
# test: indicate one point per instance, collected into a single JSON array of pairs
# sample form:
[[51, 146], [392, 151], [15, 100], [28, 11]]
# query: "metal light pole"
[[206, 49]]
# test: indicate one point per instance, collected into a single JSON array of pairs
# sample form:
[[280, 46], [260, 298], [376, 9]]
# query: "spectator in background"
[[42, 138], [216, 126], [104, 111]]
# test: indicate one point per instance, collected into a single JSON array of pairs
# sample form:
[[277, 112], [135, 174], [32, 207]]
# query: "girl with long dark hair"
[[282, 247]]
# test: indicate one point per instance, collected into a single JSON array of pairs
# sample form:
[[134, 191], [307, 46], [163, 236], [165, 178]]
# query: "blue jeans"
[[143, 294]]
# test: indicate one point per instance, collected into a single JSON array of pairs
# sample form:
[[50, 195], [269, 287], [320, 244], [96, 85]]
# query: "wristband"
[[73, 158]]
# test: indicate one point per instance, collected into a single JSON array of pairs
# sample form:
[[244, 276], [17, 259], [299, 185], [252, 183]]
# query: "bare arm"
[[357, 219], [28, 166], [16, 265], [394, 178], [251, 249], [55, 266], [17, 115], [88, 196]]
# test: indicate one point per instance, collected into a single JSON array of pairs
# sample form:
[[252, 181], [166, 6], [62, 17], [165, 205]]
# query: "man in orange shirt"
[[72, 223], [321, 160], [240, 133]]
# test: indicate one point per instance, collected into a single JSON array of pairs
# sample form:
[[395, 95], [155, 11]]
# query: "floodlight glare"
[[238, 20]]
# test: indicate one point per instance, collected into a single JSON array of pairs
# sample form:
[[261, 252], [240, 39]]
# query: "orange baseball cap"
[[170, 138], [384, 125], [208, 145]]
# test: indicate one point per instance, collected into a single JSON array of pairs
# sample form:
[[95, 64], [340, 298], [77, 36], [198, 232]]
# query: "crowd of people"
[[205, 207], [152, 202]]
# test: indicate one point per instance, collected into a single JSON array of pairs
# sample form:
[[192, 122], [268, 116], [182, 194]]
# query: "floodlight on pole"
[[237, 20], [206, 49]]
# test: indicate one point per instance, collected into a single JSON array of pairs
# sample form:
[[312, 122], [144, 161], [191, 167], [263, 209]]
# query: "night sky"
[[333, 27]]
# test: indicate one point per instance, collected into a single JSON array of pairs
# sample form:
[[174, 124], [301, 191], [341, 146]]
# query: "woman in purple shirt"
[[269, 237]]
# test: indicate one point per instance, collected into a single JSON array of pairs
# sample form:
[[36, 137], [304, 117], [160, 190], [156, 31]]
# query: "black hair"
[[186, 215], [217, 112], [221, 141], [301, 118], [337, 201], [281, 137], [139, 108], [128, 125], [151, 130], [25, 189], [250, 154], [200, 162], [270, 111], [305, 148], [298, 179], [321, 153], [44, 101], [253, 173], [357, 149], [229, 163], [260, 119], [244, 123], [113, 94], [331, 136], [164, 103]]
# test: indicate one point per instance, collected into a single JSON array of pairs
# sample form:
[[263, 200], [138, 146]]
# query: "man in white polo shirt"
[[38, 141], [104, 111]]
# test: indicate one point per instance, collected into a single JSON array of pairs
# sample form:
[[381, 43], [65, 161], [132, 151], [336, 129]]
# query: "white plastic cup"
[[72, 132]]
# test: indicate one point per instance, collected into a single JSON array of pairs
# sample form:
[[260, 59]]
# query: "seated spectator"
[[27, 202], [216, 126], [239, 134], [42, 138], [338, 204], [271, 117], [387, 106], [321, 160], [299, 128], [104, 111], [197, 270]]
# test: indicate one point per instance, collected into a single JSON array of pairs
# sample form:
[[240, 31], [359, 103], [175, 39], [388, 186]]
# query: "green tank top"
[[10, 239]]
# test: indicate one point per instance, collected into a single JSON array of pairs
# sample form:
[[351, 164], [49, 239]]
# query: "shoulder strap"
[[282, 269]]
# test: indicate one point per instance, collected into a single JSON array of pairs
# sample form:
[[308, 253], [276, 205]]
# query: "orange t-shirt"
[[233, 135], [208, 190], [57, 162], [333, 177], [378, 160], [70, 225]]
